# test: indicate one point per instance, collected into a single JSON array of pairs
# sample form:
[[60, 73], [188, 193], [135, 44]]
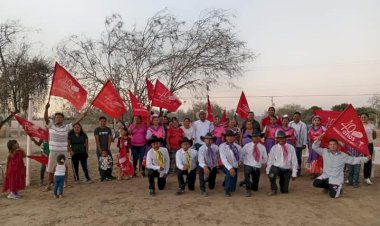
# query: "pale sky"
[[305, 47]]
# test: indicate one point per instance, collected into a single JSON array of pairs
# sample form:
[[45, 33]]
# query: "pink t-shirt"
[[138, 134]]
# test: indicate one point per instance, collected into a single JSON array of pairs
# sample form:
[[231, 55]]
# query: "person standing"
[[371, 135], [269, 132], [208, 162], [78, 149], [251, 118], [201, 128], [219, 129], [188, 130], [301, 136], [314, 162], [282, 163], [103, 139], [230, 155], [138, 132], [175, 134], [254, 156], [266, 120], [58, 142], [289, 131]]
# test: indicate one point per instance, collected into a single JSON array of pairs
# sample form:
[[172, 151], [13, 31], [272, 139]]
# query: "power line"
[[282, 96]]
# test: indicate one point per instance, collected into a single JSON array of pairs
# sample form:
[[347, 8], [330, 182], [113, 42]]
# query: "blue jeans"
[[353, 174], [138, 154], [230, 182], [58, 185]]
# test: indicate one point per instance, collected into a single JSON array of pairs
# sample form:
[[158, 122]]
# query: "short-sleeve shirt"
[[58, 136], [78, 143], [103, 134], [174, 136]]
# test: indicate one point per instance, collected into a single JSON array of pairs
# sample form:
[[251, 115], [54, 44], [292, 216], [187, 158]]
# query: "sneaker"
[[151, 192], [12, 196], [180, 191], [248, 193], [204, 193], [227, 194], [272, 193], [368, 181], [17, 195]]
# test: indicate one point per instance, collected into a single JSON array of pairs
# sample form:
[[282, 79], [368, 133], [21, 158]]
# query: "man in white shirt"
[[157, 163], [370, 130], [58, 144], [186, 163], [300, 129], [208, 162], [282, 163], [333, 165], [201, 127], [230, 155], [254, 156]]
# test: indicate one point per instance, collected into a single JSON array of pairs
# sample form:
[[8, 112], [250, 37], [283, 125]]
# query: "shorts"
[[53, 160]]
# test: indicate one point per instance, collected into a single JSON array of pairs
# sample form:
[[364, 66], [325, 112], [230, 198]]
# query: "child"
[[105, 162], [16, 171], [59, 176], [124, 164], [282, 163], [254, 156], [186, 163]]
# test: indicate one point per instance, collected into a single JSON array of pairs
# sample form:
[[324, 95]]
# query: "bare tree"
[[184, 57], [20, 74]]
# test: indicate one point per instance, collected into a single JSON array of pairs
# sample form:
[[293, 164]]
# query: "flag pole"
[[28, 143]]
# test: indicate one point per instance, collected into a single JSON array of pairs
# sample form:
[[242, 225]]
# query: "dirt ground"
[[127, 203]]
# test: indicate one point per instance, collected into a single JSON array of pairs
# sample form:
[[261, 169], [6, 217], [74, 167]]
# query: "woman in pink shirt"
[[138, 141], [270, 133], [219, 129]]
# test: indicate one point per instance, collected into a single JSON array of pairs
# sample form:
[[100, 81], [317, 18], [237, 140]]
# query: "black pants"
[[299, 158], [98, 153], [82, 158], [161, 180], [211, 178], [190, 179], [368, 165], [42, 173], [283, 174], [334, 190], [105, 174], [252, 177]]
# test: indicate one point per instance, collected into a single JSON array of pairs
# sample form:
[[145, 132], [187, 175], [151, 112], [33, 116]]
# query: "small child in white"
[[105, 162], [59, 176]]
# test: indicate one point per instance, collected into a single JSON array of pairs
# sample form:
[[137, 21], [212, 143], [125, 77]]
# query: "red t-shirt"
[[265, 121], [174, 136]]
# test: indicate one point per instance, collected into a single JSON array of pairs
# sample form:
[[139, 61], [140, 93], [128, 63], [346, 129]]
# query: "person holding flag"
[[186, 163], [334, 161], [58, 140], [157, 163]]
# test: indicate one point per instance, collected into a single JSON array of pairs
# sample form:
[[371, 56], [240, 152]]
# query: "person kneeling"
[[333, 165], [254, 155], [282, 162], [157, 163], [186, 162], [208, 161]]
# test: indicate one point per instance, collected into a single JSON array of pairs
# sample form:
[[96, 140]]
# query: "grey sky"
[[305, 47]]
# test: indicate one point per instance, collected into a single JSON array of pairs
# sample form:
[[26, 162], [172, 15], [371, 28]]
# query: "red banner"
[[137, 107], [349, 129], [327, 117], [150, 88], [66, 86], [210, 115], [41, 159], [109, 101], [224, 118], [33, 130], [243, 108], [163, 98]]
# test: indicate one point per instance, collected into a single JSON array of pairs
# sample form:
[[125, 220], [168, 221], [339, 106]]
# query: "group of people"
[[161, 146]]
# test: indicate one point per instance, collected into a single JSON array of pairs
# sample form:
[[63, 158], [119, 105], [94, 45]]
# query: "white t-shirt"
[[58, 136], [189, 133], [201, 128], [369, 128], [60, 170]]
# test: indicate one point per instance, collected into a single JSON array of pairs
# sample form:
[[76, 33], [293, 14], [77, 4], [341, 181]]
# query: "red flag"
[[327, 117], [150, 88], [210, 115], [137, 107], [243, 108], [39, 158], [349, 129], [32, 130], [224, 118], [109, 101], [163, 98], [66, 86]]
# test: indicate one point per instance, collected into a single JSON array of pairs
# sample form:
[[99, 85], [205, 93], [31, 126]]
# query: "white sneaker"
[[347, 181], [12, 196], [368, 181]]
